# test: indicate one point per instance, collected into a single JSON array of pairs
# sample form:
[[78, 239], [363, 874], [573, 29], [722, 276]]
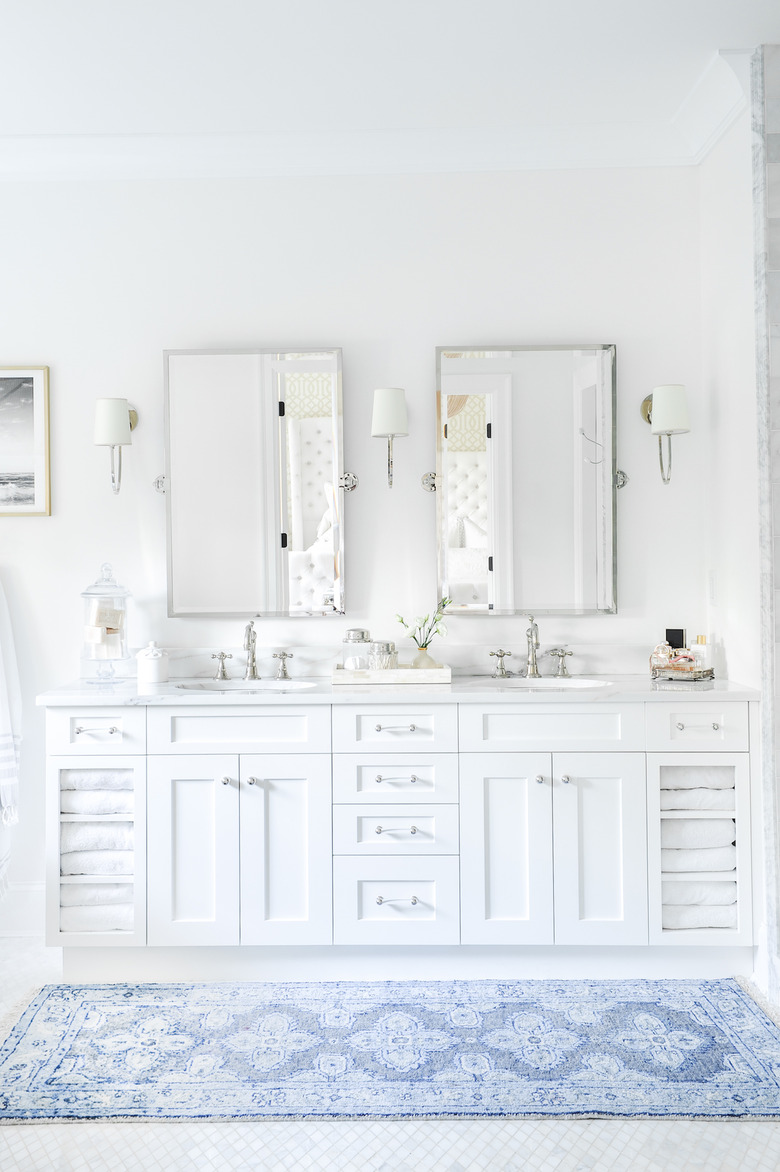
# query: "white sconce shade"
[[389, 419], [114, 422], [666, 410], [669, 410]]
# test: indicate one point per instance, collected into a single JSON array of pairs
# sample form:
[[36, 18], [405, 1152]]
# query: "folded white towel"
[[716, 858], [96, 801], [118, 917], [84, 894], [96, 779], [699, 917], [95, 836], [697, 777], [97, 863], [697, 799], [687, 833], [683, 891]]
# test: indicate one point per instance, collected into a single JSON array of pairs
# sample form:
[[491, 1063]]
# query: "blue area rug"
[[394, 1049]]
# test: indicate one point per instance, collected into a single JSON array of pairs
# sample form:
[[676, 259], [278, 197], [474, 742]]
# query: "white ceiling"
[[226, 87]]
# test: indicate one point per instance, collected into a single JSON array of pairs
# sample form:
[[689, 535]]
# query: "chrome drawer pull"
[[395, 727], [81, 729], [539, 780], [680, 725], [380, 900], [565, 778], [384, 829], [715, 726], [225, 780], [379, 779]]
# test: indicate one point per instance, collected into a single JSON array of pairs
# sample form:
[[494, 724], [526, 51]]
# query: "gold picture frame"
[[25, 474]]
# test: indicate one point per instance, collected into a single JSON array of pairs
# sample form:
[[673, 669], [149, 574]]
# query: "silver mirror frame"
[[616, 480]]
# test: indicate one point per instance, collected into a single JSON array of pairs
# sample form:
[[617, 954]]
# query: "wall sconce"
[[389, 420], [666, 410], [114, 421]]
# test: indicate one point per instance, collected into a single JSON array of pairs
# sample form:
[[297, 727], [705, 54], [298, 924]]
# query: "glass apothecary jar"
[[354, 650], [105, 622]]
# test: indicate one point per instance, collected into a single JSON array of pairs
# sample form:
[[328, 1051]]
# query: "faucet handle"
[[561, 653], [221, 656], [283, 656], [500, 666]]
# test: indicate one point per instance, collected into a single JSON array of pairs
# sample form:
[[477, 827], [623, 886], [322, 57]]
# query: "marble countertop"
[[466, 689]]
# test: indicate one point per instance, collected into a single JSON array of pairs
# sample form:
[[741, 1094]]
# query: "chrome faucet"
[[562, 672], [250, 642], [500, 671], [532, 635], [283, 656]]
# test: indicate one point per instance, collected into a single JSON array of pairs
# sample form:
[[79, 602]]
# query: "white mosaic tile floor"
[[398, 1146]]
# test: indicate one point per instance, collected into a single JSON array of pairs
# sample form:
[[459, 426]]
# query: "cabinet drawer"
[[102, 731], [288, 729], [396, 900], [402, 777], [403, 728], [684, 726], [540, 728], [395, 830]]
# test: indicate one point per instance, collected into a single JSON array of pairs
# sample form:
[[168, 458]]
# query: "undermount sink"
[[553, 682], [247, 686]]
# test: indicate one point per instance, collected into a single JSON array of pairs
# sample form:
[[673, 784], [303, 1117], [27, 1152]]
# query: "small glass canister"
[[354, 654], [382, 655], [105, 622]]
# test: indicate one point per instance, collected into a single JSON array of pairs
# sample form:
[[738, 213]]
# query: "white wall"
[[727, 416], [99, 278]]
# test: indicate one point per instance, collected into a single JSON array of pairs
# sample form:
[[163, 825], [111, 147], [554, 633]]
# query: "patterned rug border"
[[739, 984]]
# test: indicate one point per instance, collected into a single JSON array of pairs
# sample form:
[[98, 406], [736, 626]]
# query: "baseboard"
[[22, 911]]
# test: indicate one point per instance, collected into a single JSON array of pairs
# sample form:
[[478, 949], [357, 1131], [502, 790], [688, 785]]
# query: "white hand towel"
[[697, 777], [699, 917], [116, 918], [96, 836], [97, 863], [96, 801], [697, 799], [681, 891], [96, 779], [718, 858], [85, 894], [688, 833]]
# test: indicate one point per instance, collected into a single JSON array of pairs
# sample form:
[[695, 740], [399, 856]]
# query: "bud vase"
[[423, 659]]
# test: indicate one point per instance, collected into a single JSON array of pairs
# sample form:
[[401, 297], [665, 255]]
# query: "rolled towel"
[[96, 779], [96, 801], [97, 863], [681, 891], [687, 833], [86, 894], [697, 799], [95, 836], [676, 917], [697, 777], [716, 858], [117, 917]]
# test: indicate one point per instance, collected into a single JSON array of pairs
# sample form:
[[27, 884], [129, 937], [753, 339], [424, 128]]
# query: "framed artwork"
[[24, 441]]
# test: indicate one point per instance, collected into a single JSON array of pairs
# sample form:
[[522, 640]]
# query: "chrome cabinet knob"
[[225, 780], [251, 781], [680, 725], [715, 725], [565, 778], [539, 779]]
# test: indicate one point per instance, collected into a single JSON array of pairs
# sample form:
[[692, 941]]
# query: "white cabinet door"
[[192, 850], [506, 848], [286, 849], [599, 819]]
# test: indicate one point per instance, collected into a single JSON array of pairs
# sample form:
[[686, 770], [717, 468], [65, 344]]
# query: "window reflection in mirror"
[[525, 484], [253, 471]]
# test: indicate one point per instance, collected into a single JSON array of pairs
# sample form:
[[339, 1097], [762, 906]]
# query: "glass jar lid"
[[382, 648], [356, 635], [106, 585]]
